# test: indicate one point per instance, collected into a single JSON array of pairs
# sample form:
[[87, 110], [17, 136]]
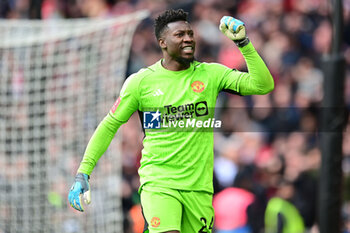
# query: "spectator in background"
[[231, 210]]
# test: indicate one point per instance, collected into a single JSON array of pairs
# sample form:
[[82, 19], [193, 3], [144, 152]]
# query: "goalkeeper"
[[176, 171]]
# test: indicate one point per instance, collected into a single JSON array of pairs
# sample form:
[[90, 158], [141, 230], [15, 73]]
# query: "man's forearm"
[[260, 80], [99, 143]]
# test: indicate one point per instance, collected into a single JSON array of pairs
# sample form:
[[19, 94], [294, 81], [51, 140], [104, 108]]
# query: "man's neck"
[[174, 65]]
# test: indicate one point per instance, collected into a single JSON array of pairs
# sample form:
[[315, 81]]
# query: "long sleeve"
[[257, 81], [99, 143], [123, 108]]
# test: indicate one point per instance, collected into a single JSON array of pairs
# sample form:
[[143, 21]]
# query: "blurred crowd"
[[268, 153]]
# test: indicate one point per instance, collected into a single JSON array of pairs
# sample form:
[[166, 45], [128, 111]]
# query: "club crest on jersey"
[[155, 222], [197, 86]]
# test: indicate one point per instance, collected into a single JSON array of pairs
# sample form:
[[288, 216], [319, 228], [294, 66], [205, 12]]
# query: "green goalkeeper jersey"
[[176, 159]]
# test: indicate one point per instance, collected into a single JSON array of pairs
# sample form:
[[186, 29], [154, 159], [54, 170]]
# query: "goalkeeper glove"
[[234, 29], [80, 188]]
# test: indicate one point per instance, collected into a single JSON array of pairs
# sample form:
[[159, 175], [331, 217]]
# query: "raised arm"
[[258, 80]]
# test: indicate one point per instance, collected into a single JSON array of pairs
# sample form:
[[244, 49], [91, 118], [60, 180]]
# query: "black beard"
[[184, 61]]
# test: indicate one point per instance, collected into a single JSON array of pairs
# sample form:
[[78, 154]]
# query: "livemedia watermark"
[[198, 117]]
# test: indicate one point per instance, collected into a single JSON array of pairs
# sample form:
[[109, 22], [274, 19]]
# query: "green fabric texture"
[[175, 159], [99, 143]]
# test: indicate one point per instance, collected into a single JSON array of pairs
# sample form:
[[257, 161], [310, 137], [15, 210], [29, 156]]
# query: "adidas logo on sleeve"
[[158, 92]]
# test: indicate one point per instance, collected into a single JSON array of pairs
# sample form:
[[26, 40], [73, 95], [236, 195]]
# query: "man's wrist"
[[242, 43], [81, 175]]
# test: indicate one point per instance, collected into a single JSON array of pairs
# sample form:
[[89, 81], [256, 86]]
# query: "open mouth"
[[188, 49]]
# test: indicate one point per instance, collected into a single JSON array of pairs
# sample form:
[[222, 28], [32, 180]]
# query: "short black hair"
[[166, 17]]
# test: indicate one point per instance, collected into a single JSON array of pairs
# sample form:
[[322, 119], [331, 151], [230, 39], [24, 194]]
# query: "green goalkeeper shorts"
[[167, 209]]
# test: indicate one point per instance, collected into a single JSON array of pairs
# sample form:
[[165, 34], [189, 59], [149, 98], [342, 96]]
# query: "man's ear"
[[162, 43]]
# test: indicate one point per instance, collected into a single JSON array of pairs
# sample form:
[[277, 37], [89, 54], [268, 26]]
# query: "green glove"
[[234, 29]]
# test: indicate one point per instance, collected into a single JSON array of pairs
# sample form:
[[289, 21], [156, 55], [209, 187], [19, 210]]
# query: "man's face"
[[178, 41]]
